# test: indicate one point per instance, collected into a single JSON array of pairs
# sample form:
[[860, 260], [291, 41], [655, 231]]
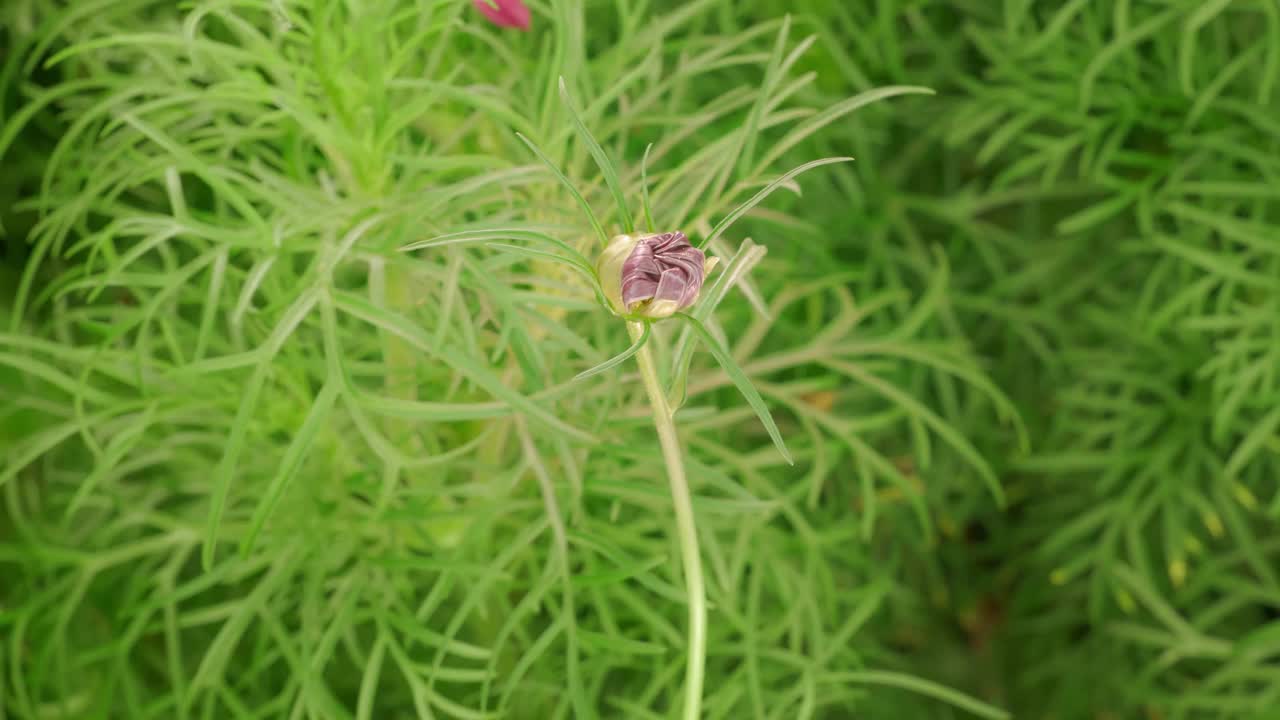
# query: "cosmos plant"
[[208, 339], [643, 278], [266, 465]]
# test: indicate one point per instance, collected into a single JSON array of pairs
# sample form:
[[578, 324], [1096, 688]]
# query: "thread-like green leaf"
[[741, 381], [759, 197], [294, 456], [617, 359], [481, 376], [487, 235], [582, 202], [602, 161], [644, 188]]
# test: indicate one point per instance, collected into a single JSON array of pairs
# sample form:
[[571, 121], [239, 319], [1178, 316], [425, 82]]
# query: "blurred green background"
[[1025, 348]]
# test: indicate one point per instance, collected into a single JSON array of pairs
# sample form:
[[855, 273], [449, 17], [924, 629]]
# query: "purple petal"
[[672, 286], [662, 267], [509, 13]]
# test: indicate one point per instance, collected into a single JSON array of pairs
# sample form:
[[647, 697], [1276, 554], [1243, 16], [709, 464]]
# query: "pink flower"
[[508, 13]]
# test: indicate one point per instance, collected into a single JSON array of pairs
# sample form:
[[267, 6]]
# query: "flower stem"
[[685, 526]]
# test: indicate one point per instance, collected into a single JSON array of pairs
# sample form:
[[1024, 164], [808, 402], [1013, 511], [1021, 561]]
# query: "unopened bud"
[[652, 276]]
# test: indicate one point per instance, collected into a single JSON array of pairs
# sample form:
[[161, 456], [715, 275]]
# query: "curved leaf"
[[617, 359], [741, 381]]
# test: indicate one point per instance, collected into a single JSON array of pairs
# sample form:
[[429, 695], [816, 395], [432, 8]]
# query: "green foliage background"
[[256, 462]]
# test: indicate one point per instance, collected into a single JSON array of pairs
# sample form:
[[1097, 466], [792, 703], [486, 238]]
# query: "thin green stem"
[[685, 525]]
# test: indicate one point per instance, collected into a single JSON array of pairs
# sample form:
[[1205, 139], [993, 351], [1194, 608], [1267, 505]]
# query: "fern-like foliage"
[[257, 462]]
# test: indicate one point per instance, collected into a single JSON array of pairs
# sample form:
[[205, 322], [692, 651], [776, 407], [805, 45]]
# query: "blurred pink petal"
[[509, 13]]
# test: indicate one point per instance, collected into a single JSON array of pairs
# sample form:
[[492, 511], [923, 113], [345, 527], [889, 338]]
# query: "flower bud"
[[652, 276]]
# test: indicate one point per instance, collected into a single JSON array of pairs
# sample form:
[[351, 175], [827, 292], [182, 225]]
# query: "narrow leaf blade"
[[617, 359], [742, 382], [759, 197], [644, 188], [487, 235], [602, 161], [595, 223], [292, 461], [486, 379]]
